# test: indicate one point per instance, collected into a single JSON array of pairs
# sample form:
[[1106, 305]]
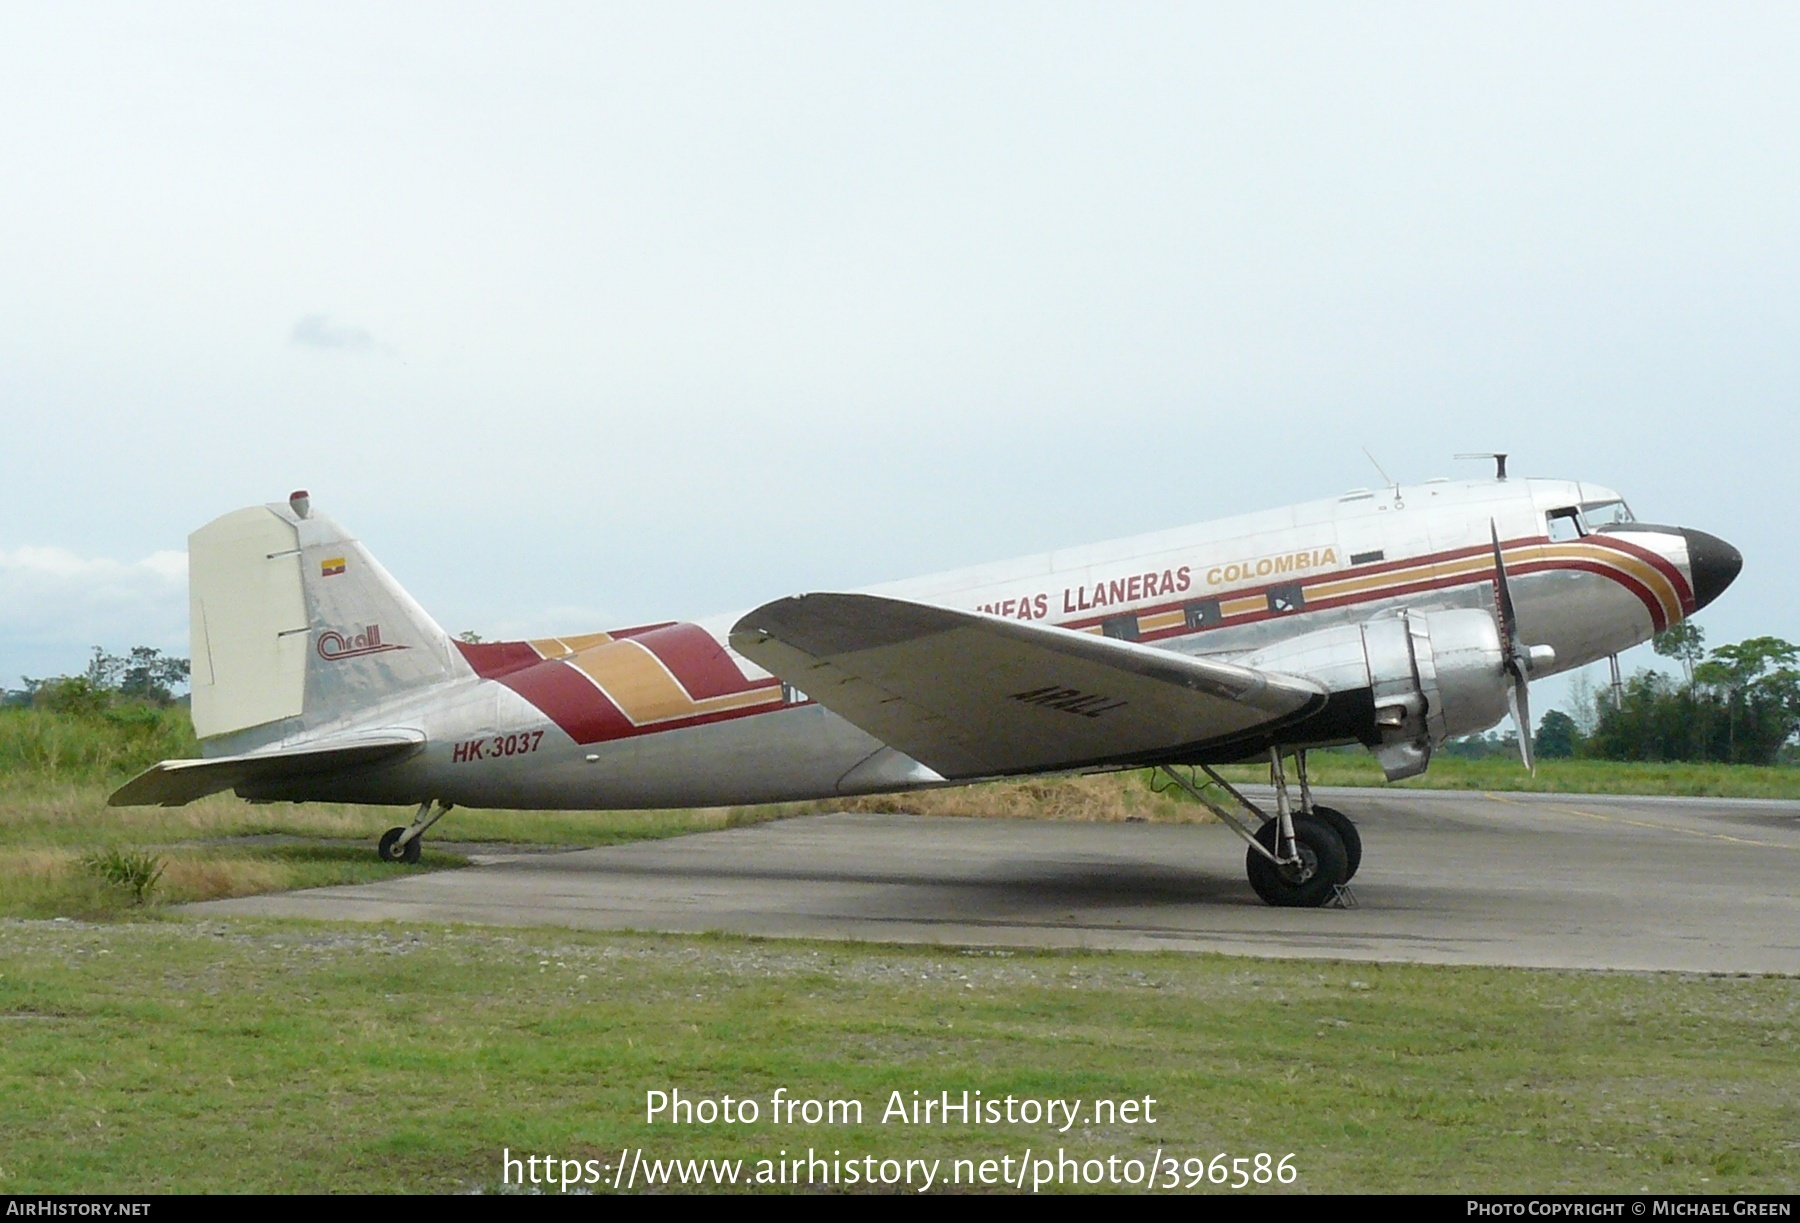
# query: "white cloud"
[[55, 606], [318, 331]]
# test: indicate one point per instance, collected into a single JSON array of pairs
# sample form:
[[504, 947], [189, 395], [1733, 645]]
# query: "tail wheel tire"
[[1303, 885], [390, 849], [1347, 833]]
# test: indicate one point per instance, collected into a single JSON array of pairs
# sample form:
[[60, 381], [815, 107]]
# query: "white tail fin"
[[294, 625]]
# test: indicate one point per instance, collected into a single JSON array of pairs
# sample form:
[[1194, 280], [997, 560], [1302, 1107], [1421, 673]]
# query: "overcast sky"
[[584, 315]]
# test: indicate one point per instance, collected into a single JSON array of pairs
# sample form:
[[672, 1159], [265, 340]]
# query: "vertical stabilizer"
[[295, 626]]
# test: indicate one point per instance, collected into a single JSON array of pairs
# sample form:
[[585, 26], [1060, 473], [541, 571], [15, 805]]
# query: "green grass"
[[277, 1056], [111, 745]]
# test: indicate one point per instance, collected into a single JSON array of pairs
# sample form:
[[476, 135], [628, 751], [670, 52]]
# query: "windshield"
[[1606, 513]]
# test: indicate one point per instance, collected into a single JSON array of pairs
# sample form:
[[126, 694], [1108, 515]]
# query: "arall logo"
[[334, 645]]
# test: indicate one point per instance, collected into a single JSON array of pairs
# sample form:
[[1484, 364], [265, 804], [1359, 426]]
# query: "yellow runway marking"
[[1614, 819]]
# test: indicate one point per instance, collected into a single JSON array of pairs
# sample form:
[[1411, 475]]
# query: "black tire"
[[1313, 882], [390, 849], [1347, 833]]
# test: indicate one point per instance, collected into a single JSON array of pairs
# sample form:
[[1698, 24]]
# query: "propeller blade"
[[1517, 658], [1519, 701], [1503, 604]]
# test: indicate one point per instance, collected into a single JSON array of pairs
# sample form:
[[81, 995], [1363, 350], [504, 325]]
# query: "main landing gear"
[[405, 844], [1299, 859]]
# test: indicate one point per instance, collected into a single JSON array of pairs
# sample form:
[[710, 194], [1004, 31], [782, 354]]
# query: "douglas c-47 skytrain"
[[1394, 619]]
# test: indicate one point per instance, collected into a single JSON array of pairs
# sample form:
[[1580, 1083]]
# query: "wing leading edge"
[[972, 695]]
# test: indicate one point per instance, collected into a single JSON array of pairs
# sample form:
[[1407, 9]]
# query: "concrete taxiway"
[[1567, 881]]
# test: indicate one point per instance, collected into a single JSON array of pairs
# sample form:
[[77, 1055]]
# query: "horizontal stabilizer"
[[974, 695], [174, 783]]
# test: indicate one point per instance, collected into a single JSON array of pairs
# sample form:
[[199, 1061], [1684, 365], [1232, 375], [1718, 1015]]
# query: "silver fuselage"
[[1225, 588]]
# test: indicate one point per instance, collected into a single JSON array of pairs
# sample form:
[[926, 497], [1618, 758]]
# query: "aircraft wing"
[[973, 695], [174, 783]]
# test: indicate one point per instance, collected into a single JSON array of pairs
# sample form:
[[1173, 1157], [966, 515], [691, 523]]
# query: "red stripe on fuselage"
[[704, 669], [572, 701], [1310, 577], [493, 659], [1658, 618], [697, 660], [1684, 593], [569, 699], [584, 712]]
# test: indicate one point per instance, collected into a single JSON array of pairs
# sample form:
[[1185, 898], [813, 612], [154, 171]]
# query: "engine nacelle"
[[1430, 676]]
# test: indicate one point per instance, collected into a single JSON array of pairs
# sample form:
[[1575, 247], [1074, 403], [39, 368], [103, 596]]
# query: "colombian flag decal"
[[331, 567]]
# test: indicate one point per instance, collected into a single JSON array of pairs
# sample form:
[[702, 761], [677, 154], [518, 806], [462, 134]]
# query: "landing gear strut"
[[405, 844], [1299, 859]]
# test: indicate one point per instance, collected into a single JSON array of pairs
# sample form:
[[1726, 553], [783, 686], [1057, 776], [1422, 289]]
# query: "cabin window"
[[1203, 614], [1606, 514], [1565, 524], [1125, 628], [1286, 598], [1366, 558]]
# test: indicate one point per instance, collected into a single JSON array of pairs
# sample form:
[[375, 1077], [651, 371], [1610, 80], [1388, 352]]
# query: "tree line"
[[145, 676], [1733, 704]]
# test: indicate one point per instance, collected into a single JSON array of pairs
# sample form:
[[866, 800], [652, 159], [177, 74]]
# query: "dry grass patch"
[[188, 879], [46, 881], [1101, 799], [36, 861], [77, 812]]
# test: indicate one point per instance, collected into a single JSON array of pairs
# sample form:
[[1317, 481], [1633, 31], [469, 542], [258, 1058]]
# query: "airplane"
[[1394, 618]]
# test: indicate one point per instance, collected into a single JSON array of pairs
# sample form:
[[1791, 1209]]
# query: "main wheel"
[[1303, 885], [1347, 833], [390, 849]]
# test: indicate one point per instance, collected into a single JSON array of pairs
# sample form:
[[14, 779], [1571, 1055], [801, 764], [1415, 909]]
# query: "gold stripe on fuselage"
[[1653, 578], [1482, 565], [562, 647], [1462, 570], [646, 691], [1423, 571]]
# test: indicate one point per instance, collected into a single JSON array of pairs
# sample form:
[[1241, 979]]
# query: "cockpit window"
[[1606, 513], [1565, 524]]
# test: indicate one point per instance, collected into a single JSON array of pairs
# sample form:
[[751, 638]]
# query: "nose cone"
[[1713, 563]]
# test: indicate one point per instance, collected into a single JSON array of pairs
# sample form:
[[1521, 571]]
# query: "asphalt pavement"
[[1449, 877]]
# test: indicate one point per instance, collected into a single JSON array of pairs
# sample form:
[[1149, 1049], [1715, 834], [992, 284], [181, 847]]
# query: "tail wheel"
[[1347, 833], [1308, 883], [390, 849]]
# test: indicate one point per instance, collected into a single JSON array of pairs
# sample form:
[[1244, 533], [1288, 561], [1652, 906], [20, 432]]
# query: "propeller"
[[1517, 659]]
